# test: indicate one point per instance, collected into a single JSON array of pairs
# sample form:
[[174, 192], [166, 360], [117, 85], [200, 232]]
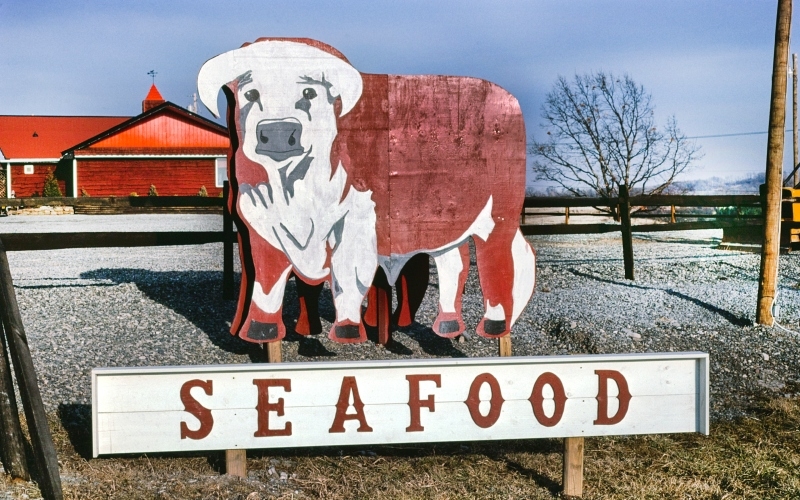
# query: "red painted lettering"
[[349, 387], [200, 412], [495, 403], [415, 403], [537, 399], [624, 397], [264, 407]]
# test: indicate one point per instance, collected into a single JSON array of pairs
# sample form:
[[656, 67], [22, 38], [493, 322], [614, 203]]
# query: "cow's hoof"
[[262, 332], [448, 325], [492, 328], [348, 333]]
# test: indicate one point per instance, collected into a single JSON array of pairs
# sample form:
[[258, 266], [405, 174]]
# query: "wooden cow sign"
[[335, 173]]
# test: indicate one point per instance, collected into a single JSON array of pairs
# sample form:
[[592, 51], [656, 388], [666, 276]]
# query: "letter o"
[[473, 401], [537, 399]]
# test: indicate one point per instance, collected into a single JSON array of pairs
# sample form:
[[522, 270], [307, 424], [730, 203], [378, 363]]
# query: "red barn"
[[166, 146]]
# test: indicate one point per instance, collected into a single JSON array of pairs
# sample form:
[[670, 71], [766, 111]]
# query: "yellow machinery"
[[790, 218]]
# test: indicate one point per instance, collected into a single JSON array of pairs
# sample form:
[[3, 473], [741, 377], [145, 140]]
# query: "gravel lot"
[[86, 308]]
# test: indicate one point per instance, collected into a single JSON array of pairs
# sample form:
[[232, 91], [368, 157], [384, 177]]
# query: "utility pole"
[[774, 176], [794, 121]]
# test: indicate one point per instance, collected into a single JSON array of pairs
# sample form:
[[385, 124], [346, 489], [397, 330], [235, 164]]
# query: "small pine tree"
[[51, 189], [153, 191], [202, 193]]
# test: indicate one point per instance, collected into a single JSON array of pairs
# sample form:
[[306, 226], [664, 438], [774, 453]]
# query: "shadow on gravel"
[[76, 419], [195, 295], [729, 316], [711, 242]]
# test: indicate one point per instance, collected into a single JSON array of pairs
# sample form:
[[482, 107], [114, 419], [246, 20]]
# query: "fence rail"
[[51, 241]]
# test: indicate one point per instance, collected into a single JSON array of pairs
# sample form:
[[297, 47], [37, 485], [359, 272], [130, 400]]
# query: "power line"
[[731, 135]]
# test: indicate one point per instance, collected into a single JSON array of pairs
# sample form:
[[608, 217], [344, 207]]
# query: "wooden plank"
[[142, 410], [12, 445], [573, 467], [53, 241], [545, 229], [41, 439], [236, 463], [504, 345]]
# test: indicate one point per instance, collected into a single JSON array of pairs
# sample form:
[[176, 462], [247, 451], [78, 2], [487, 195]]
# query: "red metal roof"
[[154, 94], [165, 129], [24, 137], [152, 100]]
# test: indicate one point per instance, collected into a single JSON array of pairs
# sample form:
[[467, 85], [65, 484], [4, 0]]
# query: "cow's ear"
[[347, 85], [215, 73]]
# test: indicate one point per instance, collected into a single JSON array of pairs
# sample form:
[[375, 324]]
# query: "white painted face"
[[285, 93]]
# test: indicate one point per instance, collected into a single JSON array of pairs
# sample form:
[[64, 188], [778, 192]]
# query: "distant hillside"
[[714, 185], [723, 185]]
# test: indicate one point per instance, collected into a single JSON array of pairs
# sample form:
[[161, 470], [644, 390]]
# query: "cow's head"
[[286, 94]]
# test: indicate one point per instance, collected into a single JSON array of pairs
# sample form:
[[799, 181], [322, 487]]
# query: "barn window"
[[28, 169], [222, 171]]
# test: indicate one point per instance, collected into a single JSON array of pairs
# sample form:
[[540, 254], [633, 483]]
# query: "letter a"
[[349, 387]]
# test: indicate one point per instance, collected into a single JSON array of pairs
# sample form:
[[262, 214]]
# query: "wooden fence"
[[161, 204]]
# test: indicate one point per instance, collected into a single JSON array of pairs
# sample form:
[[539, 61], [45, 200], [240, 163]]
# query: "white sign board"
[[159, 409]]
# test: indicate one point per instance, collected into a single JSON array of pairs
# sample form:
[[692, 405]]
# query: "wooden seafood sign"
[[336, 174], [160, 409]]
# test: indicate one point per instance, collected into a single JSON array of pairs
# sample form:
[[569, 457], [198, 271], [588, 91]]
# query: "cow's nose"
[[279, 139]]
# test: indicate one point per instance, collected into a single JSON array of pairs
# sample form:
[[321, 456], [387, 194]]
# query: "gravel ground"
[[86, 308]]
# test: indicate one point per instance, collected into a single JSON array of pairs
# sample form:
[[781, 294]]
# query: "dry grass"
[[756, 457]]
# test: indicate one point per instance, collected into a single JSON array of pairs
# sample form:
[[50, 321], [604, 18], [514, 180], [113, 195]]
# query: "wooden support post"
[[672, 214], [227, 244], [566, 215], [770, 249], [573, 467], [274, 352], [627, 235], [384, 326], [236, 463], [12, 444], [504, 345], [794, 122], [41, 440]]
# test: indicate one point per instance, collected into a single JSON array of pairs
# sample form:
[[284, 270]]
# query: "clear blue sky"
[[708, 63]]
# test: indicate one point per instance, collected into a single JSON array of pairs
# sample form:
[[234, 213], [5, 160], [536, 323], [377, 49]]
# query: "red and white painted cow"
[[336, 172]]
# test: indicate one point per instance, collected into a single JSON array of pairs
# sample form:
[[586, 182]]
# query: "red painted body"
[[435, 152]]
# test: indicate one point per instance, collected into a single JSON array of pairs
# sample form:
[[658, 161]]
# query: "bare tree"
[[601, 135]]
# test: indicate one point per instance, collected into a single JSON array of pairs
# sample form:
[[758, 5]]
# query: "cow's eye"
[[252, 95], [309, 93]]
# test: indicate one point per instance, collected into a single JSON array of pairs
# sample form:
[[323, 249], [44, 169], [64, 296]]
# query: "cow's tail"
[[524, 274]]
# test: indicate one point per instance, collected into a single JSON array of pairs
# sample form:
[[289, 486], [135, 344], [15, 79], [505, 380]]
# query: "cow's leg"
[[411, 287], [496, 272], [353, 266], [263, 320], [308, 322], [453, 268]]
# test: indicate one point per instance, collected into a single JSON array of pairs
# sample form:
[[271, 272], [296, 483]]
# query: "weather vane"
[[153, 73]]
